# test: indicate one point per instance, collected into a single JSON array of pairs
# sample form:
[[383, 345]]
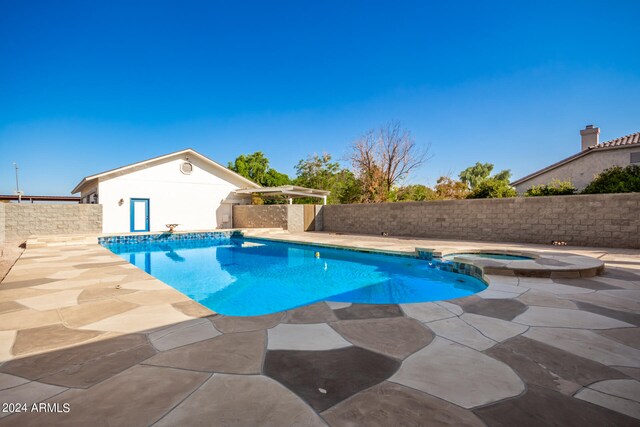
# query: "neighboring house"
[[582, 167], [184, 188]]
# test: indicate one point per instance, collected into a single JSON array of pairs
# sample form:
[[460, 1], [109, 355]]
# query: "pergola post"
[[290, 200], [324, 200]]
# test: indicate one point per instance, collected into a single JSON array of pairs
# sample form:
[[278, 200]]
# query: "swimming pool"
[[244, 277]]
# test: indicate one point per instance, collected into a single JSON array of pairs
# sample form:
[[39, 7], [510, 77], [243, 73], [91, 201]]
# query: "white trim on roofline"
[[86, 180]]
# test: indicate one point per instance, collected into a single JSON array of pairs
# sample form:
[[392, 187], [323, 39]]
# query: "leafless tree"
[[384, 157]]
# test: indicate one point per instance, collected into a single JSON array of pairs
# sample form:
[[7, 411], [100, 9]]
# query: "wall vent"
[[186, 168]]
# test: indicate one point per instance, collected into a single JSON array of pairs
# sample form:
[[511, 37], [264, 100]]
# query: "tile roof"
[[634, 138]]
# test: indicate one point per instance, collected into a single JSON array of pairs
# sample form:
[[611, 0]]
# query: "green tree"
[[316, 172], [321, 173], [256, 168], [474, 175], [616, 180], [492, 188], [555, 188], [273, 178], [347, 188], [414, 193]]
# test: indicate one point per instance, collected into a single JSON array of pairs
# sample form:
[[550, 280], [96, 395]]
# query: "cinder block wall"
[[287, 217], [605, 220], [22, 220], [295, 218], [260, 216], [2, 220]]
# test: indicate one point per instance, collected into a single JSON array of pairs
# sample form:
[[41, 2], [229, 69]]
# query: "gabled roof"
[[622, 142], [188, 151]]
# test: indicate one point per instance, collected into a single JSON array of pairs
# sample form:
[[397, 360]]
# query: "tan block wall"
[[295, 218], [287, 217], [25, 219], [260, 216], [604, 220], [2, 221]]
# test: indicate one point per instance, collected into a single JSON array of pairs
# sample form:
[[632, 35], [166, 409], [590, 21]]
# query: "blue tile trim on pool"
[[138, 238]]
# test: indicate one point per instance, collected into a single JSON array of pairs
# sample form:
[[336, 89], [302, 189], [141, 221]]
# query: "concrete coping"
[[540, 264]]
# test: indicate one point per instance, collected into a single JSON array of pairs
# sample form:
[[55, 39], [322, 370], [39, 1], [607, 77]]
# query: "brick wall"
[[606, 220], [25, 219]]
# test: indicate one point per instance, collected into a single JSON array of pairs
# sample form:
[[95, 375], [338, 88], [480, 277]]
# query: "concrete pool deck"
[[81, 326]]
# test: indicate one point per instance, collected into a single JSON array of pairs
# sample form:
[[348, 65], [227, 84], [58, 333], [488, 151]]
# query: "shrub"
[[413, 193], [616, 180], [491, 188], [555, 188]]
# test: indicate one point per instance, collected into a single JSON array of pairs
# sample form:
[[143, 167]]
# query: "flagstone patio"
[[79, 325]]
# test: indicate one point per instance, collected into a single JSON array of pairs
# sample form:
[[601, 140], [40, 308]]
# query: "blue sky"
[[89, 86]]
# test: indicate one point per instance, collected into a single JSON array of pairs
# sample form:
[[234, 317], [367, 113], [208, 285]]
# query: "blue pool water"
[[244, 277], [488, 255]]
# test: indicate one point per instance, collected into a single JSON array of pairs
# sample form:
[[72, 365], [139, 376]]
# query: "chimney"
[[590, 137]]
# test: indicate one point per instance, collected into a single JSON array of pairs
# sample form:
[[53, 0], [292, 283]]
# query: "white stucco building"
[[593, 158], [184, 188]]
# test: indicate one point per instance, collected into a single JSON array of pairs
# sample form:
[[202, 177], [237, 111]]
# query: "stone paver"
[[324, 378], [29, 318], [626, 336], [239, 353], [619, 395], [314, 313], [430, 370], [318, 336], [367, 311], [565, 318], [589, 345], [426, 311], [456, 329], [545, 299], [272, 404], [492, 328], [540, 364], [84, 365], [128, 349], [84, 314], [624, 316], [244, 324], [139, 319], [389, 404], [49, 337], [543, 407], [7, 338], [183, 333], [10, 381], [505, 309], [396, 336]]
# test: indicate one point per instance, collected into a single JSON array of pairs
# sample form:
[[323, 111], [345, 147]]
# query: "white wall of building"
[[197, 201], [583, 170]]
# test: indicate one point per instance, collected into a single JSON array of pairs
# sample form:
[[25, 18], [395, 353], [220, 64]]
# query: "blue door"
[[139, 215]]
